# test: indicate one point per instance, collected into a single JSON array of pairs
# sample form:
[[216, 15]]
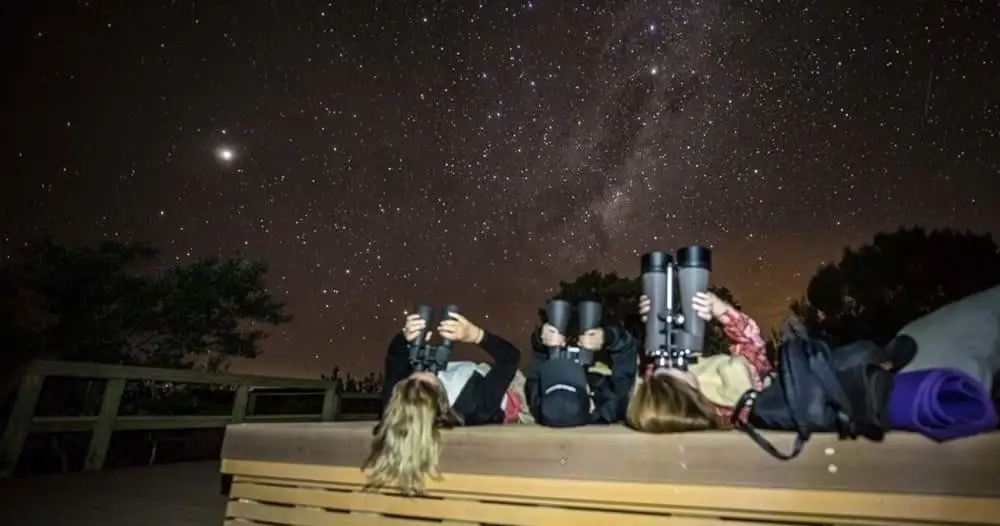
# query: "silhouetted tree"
[[620, 297], [875, 290], [369, 384], [335, 376], [104, 304]]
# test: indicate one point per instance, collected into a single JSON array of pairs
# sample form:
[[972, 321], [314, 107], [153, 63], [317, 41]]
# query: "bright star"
[[225, 154]]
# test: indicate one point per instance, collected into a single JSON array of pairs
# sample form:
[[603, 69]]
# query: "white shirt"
[[457, 374]]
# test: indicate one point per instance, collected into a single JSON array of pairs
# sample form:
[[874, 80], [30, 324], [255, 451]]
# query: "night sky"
[[383, 153]]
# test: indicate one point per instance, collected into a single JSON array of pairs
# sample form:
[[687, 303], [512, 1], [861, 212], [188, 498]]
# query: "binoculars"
[[426, 356], [675, 339], [559, 313]]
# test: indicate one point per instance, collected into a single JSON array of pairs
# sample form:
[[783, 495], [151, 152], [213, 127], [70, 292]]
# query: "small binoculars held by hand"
[[559, 313], [424, 355], [675, 339]]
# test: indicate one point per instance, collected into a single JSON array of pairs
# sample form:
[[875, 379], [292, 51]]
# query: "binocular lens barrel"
[[446, 315], [559, 312], [654, 286], [695, 268], [426, 312], [590, 315]]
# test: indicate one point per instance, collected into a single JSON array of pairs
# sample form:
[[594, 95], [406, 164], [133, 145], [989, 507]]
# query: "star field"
[[380, 154]]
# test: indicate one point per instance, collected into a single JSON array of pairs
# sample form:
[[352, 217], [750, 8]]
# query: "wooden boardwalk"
[[183, 494]]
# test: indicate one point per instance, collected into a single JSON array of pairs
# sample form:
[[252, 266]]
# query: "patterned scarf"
[[517, 410]]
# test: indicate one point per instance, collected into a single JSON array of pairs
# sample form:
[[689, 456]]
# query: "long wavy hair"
[[667, 404], [407, 444]]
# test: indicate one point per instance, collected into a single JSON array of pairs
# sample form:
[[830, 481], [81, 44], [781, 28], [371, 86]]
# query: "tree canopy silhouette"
[[620, 297], [107, 304], [349, 384], [874, 290]]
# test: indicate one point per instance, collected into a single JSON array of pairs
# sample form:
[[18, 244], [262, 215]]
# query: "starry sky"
[[383, 153]]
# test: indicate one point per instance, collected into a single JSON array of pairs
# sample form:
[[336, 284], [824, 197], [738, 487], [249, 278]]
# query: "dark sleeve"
[[539, 356], [500, 350], [487, 394], [397, 366], [611, 403]]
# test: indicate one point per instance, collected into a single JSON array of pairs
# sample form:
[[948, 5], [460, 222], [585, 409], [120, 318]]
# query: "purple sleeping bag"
[[942, 404]]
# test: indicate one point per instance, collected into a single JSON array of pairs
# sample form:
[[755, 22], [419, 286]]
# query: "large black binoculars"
[[424, 355], [559, 313], [675, 339]]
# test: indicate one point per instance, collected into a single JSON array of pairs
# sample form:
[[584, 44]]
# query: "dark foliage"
[[874, 290], [109, 304], [349, 384]]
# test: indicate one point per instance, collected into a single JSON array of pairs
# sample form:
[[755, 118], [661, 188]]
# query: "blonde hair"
[[407, 443], [668, 404]]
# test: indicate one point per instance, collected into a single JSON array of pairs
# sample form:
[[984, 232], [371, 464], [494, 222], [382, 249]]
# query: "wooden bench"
[[308, 475]]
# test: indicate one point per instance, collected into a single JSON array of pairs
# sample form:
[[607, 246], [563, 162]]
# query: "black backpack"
[[818, 390]]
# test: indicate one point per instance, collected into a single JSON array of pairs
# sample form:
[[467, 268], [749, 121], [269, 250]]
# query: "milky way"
[[389, 153]]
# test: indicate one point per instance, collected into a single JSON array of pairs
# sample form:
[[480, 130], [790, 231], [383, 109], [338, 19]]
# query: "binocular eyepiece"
[[675, 339], [589, 315], [426, 356]]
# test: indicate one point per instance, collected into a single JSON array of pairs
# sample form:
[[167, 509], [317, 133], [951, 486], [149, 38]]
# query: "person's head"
[[668, 401], [407, 442], [564, 396]]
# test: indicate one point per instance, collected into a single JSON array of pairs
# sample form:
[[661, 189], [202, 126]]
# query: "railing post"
[[331, 404], [105, 426], [240, 403], [252, 402], [19, 422]]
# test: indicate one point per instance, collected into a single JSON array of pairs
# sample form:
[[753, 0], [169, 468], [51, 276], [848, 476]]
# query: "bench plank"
[[905, 463]]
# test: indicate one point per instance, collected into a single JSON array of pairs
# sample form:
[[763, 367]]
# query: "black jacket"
[[480, 399], [609, 393]]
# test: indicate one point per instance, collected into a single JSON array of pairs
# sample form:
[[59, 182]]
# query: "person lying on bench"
[[416, 405], [671, 400], [564, 393]]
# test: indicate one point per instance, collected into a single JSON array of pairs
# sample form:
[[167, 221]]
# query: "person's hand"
[[551, 337], [458, 328], [592, 340], [708, 306], [644, 306], [413, 325]]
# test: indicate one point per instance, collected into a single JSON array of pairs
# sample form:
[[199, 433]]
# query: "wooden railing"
[[23, 420]]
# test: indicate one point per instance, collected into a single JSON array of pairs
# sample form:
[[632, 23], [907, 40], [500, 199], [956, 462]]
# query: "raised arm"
[[747, 341], [500, 350], [490, 392], [397, 366], [539, 355], [623, 349]]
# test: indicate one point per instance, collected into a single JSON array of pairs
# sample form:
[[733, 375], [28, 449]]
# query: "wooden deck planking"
[[904, 463], [184, 494]]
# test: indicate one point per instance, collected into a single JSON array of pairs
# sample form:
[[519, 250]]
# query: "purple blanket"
[[942, 404]]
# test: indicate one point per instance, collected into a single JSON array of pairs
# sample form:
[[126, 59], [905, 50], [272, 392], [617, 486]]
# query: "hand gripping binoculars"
[[426, 356], [559, 313], [675, 339]]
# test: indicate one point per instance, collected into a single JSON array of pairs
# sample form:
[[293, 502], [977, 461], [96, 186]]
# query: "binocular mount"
[[669, 355], [424, 355]]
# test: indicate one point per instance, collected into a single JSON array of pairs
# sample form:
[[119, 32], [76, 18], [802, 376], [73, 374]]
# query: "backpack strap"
[[820, 367], [747, 400]]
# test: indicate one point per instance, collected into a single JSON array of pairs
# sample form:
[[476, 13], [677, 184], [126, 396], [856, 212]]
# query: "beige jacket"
[[723, 378]]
